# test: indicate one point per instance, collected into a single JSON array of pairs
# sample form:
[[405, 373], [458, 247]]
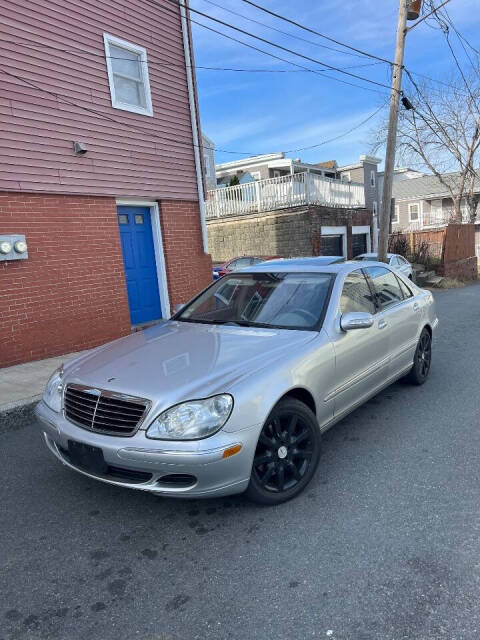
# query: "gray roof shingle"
[[425, 187]]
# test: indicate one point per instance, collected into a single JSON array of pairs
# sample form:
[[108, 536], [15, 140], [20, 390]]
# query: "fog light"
[[231, 451]]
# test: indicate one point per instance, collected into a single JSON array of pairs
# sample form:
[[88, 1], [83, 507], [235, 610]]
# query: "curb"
[[13, 417]]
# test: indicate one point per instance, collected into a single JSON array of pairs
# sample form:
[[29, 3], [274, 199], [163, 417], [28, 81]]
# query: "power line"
[[36, 46], [165, 138], [272, 55], [322, 35], [273, 44], [459, 35], [342, 135], [441, 82], [461, 39], [285, 33]]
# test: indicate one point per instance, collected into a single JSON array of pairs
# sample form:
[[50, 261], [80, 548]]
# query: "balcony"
[[283, 192]]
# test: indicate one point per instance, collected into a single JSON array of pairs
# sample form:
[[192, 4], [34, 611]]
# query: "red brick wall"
[[70, 293], [189, 269]]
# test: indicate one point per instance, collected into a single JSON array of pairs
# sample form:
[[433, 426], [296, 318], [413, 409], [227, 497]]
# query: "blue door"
[[139, 261]]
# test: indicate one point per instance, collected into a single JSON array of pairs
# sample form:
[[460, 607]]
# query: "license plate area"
[[87, 457]]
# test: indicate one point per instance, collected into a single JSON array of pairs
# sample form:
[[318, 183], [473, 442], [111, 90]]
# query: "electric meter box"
[[13, 247]]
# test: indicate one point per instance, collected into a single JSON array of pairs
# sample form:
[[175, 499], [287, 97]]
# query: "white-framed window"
[[128, 75], [255, 175], [374, 207], [396, 214], [436, 210], [414, 212], [372, 178], [276, 173], [346, 177], [206, 164]]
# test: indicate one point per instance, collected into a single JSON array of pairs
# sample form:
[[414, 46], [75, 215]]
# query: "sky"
[[268, 111]]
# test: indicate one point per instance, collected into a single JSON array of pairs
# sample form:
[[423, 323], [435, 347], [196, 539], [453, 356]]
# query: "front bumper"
[[140, 463]]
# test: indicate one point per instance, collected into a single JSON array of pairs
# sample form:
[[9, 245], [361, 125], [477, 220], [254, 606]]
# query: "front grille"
[[104, 411]]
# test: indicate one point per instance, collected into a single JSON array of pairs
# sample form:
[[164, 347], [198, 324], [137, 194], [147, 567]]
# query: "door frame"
[[158, 248], [365, 229], [337, 231]]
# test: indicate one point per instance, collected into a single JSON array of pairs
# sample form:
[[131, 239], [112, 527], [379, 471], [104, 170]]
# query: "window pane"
[[129, 91], [126, 62], [123, 218], [356, 294], [387, 289], [405, 290], [139, 218], [414, 212], [285, 300], [242, 262]]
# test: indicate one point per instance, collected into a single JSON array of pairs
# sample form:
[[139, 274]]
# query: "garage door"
[[332, 245], [359, 244]]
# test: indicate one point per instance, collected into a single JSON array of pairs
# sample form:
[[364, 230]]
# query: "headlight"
[[53, 391], [192, 420]]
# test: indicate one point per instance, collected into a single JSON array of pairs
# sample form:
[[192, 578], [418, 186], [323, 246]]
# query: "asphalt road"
[[384, 544]]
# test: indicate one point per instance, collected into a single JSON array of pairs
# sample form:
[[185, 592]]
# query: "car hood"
[[175, 361]]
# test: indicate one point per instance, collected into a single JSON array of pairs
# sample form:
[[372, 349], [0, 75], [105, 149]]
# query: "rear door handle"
[[382, 324], [416, 306]]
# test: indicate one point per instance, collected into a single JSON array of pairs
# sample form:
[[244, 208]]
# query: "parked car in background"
[[233, 393], [394, 260], [220, 270]]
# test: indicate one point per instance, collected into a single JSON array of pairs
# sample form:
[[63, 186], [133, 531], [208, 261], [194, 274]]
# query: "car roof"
[[308, 266], [374, 255], [314, 260]]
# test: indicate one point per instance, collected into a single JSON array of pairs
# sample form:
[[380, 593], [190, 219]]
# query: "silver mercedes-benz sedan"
[[233, 393]]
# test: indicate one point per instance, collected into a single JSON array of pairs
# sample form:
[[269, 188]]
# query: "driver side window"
[[356, 294]]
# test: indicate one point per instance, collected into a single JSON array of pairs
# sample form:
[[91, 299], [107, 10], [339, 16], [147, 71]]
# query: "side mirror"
[[356, 320], [177, 308]]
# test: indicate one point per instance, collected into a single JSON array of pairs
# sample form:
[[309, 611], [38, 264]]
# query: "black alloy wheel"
[[287, 453], [423, 359]]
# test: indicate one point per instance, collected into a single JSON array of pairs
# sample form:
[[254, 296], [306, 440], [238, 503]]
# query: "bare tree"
[[441, 133]]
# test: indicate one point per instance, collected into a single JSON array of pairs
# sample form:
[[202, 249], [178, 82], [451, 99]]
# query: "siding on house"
[[426, 211], [261, 169], [58, 46], [361, 174], [371, 193]]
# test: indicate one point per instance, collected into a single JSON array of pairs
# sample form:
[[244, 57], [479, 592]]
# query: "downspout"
[[193, 118]]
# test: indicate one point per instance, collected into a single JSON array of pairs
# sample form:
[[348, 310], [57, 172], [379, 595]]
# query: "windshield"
[[276, 300]]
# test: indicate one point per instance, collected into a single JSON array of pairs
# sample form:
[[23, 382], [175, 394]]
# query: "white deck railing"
[[431, 220], [284, 191]]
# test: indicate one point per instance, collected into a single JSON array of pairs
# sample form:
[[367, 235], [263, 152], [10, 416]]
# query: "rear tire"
[[287, 453], [422, 361]]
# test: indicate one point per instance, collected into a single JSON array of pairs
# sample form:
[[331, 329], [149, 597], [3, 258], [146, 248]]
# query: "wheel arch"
[[301, 394], [428, 327]]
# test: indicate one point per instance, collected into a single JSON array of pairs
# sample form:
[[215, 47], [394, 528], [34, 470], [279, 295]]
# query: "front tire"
[[287, 453], [422, 360]]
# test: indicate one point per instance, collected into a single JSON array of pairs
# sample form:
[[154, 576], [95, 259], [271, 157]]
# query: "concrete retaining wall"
[[287, 232]]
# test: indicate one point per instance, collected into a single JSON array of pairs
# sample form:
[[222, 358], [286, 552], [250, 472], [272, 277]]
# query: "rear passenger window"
[[386, 286], [356, 294], [407, 293]]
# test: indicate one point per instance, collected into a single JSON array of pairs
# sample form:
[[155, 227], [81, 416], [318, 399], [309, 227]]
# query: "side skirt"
[[328, 425]]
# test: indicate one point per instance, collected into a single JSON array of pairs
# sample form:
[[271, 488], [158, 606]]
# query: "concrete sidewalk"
[[21, 386]]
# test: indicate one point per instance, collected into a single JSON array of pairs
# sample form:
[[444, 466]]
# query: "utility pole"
[[384, 225]]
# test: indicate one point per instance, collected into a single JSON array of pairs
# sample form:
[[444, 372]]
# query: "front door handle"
[[382, 324]]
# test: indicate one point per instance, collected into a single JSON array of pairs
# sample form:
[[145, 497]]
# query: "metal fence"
[[281, 192]]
